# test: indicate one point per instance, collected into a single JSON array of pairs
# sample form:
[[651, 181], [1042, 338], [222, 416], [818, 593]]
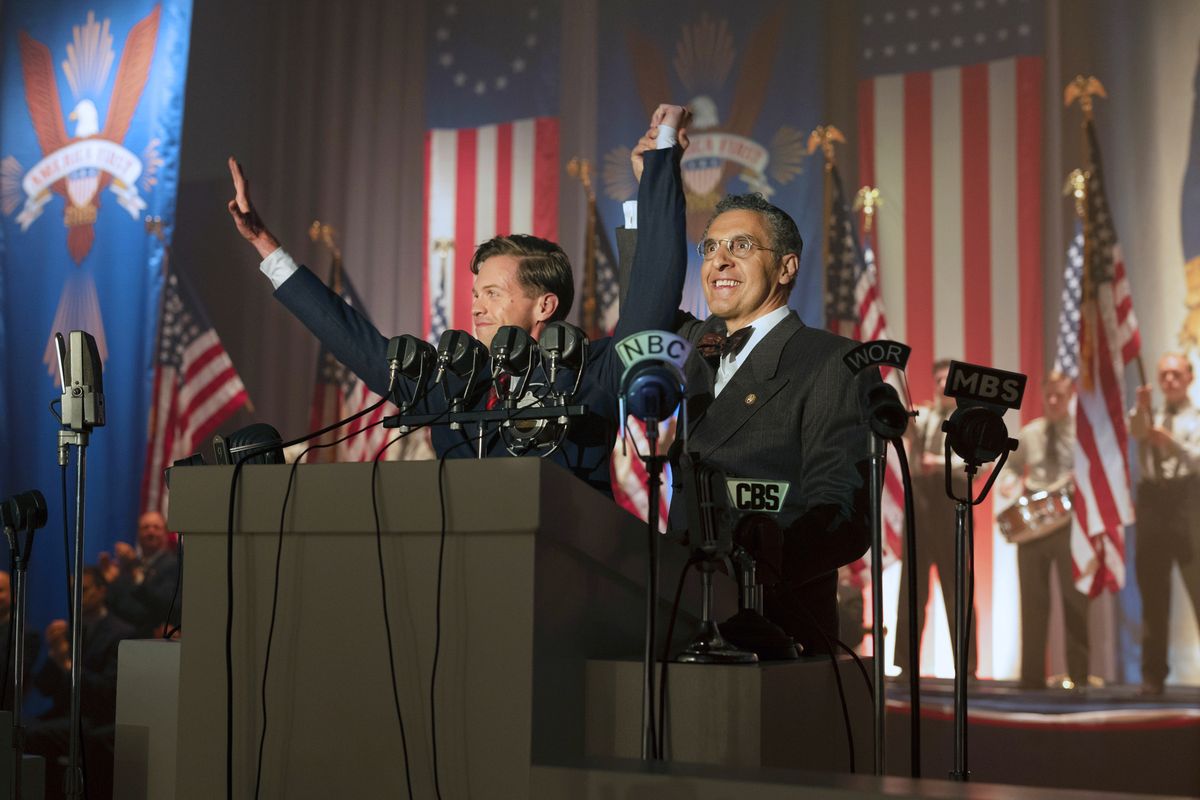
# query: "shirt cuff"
[[278, 267], [630, 209], [667, 137]]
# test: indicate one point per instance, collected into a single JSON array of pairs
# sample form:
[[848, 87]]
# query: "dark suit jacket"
[[791, 412], [145, 605], [653, 299], [98, 674]]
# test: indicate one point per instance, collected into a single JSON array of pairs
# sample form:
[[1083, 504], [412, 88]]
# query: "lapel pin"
[[751, 399]]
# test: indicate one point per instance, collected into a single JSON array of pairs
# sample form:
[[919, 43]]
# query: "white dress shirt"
[[729, 364], [278, 267]]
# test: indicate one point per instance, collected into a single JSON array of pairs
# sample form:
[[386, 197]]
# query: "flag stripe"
[[975, 183], [866, 133], [504, 179], [1002, 190], [1029, 226], [918, 226], [464, 227], [889, 165], [947, 205], [523, 184], [485, 184], [546, 169]]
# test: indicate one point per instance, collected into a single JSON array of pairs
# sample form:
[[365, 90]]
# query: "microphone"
[[653, 383], [82, 375], [259, 441], [459, 353], [24, 511], [565, 345], [513, 350], [884, 412], [412, 358], [976, 430]]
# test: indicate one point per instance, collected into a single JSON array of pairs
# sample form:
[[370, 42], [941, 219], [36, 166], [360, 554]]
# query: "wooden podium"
[[540, 573]]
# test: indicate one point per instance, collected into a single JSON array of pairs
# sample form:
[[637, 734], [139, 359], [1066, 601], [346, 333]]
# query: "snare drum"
[[1037, 514]]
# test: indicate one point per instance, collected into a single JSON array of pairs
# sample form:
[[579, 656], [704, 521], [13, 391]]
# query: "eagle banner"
[[751, 74], [89, 154]]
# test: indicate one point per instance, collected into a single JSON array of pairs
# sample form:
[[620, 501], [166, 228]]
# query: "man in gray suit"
[[773, 400]]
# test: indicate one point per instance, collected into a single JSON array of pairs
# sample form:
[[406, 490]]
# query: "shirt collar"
[[762, 326]]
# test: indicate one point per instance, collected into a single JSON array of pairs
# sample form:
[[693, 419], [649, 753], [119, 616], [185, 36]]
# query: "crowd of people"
[[132, 593]]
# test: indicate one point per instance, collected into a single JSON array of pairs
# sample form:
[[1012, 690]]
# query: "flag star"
[[531, 41], [867, 19], [980, 37], [913, 13], [935, 45], [980, 4], [1002, 35], [956, 7], [868, 53], [480, 87], [889, 16], [935, 11], [518, 65], [442, 34], [533, 13], [502, 82], [460, 79], [889, 51], [912, 47], [957, 41], [446, 59], [451, 10], [1023, 29]]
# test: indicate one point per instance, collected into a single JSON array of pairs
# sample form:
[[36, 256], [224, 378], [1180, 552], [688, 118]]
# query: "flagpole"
[[1082, 89], [581, 169], [824, 137]]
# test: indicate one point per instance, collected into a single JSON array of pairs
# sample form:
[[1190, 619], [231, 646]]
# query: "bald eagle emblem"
[[81, 164]]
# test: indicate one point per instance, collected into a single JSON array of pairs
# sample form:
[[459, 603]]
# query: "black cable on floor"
[[437, 627]]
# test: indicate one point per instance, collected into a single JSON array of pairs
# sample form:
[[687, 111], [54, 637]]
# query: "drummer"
[[1044, 461]]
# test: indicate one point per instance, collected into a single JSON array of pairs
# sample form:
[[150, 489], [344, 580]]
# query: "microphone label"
[[653, 346], [881, 352], [749, 494], [992, 387]]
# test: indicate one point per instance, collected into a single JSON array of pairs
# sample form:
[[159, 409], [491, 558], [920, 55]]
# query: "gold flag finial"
[[325, 235], [824, 137], [1076, 186], [581, 170], [868, 201], [1083, 88]]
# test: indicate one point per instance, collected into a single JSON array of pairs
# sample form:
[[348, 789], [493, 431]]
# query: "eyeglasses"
[[739, 247]]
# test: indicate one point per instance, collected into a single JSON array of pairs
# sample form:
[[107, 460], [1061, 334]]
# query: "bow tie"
[[715, 346]]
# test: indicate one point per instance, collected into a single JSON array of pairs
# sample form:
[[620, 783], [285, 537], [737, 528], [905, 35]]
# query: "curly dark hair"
[[785, 236]]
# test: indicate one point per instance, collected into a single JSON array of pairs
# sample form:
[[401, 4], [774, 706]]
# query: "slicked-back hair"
[[785, 236], [543, 267]]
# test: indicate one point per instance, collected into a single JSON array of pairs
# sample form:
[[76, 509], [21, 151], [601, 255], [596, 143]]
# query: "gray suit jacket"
[[792, 412]]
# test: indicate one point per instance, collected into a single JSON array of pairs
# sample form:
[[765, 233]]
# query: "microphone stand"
[[650, 748], [79, 438], [964, 537], [878, 450], [20, 560]]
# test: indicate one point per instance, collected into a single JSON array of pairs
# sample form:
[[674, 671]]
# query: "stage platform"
[[1107, 739]]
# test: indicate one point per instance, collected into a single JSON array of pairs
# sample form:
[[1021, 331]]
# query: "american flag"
[[1098, 338], [950, 132], [340, 394], [491, 151], [855, 309], [196, 388]]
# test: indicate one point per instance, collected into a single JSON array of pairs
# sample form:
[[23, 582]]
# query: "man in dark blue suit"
[[519, 280]]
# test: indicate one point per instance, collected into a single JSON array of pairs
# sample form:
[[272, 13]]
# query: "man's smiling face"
[[741, 289]]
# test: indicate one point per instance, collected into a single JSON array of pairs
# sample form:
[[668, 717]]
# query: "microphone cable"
[[229, 610], [387, 625], [914, 648], [275, 598]]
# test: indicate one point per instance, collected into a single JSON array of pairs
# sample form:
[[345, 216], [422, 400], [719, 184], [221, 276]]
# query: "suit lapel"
[[750, 389]]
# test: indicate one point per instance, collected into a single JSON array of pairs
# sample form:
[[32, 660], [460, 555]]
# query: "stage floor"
[[1105, 739]]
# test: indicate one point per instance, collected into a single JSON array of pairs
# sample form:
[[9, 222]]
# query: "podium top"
[[500, 495]]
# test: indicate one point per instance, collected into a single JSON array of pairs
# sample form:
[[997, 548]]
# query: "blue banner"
[[753, 77], [89, 140]]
